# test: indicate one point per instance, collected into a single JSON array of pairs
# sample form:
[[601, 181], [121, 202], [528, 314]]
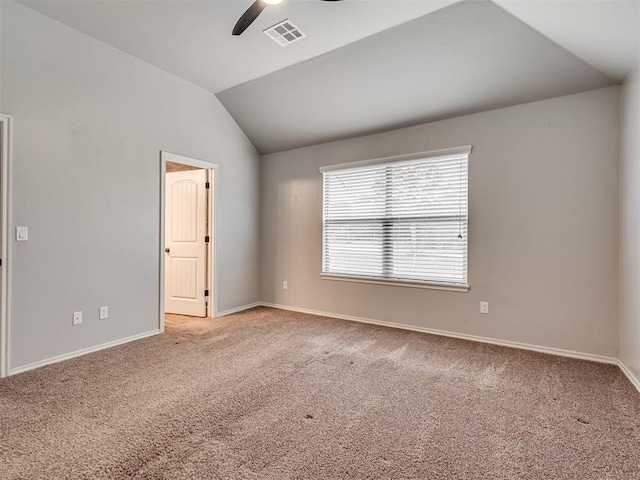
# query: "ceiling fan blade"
[[249, 16]]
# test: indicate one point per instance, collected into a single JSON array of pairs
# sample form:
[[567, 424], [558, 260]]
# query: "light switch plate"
[[22, 234], [77, 318]]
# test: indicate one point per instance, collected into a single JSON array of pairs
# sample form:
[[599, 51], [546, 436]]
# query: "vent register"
[[284, 33]]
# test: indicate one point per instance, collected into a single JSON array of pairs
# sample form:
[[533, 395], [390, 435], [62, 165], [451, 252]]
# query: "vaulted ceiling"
[[467, 57], [368, 65]]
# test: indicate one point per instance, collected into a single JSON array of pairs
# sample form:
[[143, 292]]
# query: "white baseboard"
[[84, 351], [632, 378], [238, 309], [505, 343], [463, 336]]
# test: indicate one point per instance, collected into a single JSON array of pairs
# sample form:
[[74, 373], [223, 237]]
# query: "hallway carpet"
[[269, 394]]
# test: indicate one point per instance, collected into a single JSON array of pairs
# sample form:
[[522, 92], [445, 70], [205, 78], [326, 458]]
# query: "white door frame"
[[212, 264], [5, 132]]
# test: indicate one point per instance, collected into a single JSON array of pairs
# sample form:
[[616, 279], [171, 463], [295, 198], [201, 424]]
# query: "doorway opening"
[[188, 237], [5, 152]]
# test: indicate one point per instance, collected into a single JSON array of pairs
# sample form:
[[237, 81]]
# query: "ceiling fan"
[[254, 10]]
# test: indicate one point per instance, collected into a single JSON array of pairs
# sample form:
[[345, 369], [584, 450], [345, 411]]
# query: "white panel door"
[[186, 250]]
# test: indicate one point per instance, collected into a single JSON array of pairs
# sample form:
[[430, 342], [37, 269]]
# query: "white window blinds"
[[398, 220]]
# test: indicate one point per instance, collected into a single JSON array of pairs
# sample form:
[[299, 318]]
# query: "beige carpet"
[[268, 394]]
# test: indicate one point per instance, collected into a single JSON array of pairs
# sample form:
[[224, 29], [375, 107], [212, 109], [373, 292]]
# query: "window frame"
[[428, 284]]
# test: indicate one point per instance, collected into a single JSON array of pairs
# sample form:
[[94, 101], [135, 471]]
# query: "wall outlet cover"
[[484, 307]]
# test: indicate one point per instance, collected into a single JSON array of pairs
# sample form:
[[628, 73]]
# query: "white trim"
[[449, 287], [192, 162], [84, 351], [445, 152], [213, 245], [632, 378], [5, 171], [163, 182], [213, 258], [239, 309], [462, 336]]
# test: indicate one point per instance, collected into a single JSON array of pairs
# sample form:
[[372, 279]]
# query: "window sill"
[[449, 287]]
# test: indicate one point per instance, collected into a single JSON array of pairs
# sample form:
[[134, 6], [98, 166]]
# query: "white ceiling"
[[468, 57], [192, 39], [602, 32]]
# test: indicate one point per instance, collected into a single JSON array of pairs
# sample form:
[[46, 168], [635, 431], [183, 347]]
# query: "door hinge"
[[207, 185], [206, 293], [206, 239]]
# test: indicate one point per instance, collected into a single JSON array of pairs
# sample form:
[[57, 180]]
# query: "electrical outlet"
[[484, 307], [104, 312], [77, 318], [285, 285]]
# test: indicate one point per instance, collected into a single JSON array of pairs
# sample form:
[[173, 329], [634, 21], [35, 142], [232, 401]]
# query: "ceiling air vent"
[[284, 33]]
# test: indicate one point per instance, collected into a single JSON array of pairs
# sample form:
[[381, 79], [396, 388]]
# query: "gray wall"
[[89, 123], [629, 320], [543, 226]]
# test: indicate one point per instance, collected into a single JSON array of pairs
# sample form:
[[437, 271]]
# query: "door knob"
[[167, 250]]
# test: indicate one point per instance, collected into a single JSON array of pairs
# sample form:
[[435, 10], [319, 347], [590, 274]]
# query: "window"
[[398, 220]]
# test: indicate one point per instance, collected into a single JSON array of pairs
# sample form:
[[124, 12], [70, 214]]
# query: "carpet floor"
[[269, 394]]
